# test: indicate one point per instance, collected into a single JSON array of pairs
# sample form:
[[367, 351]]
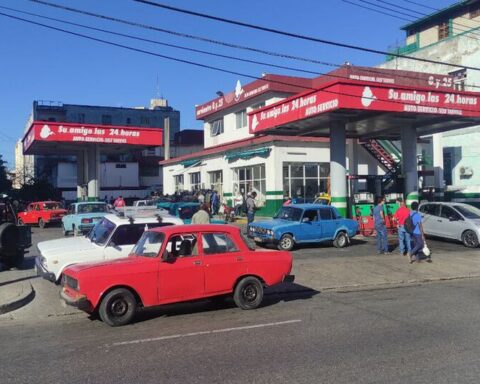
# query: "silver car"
[[452, 221]]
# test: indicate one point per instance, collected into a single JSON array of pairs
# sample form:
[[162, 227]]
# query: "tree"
[[5, 182]]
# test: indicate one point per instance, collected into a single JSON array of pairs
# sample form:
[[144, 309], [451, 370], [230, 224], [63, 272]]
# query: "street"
[[419, 333]]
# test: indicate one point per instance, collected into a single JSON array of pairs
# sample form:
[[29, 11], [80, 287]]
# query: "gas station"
[[389, 105], [88, 142]]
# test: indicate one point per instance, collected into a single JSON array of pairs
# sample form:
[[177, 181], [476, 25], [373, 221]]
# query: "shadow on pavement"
[[18, 280]]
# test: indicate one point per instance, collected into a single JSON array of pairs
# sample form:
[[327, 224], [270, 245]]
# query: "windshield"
[[92, 208], [186, 213], [101, 232], [149, 244], [289, 213], [50, 206], [468, 212]]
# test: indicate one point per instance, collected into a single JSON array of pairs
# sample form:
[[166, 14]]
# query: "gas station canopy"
[[54, 138]]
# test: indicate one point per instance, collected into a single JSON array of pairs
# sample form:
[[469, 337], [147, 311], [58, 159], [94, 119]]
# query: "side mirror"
[[166, 256]]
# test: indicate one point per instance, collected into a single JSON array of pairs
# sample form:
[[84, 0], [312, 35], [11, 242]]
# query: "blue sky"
[[40, 64]]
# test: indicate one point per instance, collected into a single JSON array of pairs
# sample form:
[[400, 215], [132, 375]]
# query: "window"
[[120, 165], [449, 213], [129, 234], [71, 209], [81, 118], [431, 209], [216, 127], [216, 181], [178, 183], [305, 180], [182, 245], [106, 119], [459, 79], [214, 243], [149, 244], [325, 214], [195, 181], [249, 179], [310, 215], [443, 30], [92, 208], [241, 119], [474, 11], [258, 106]]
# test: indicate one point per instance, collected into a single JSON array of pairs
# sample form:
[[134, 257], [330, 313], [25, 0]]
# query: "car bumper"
[[81, 302], [54, 220], [41, 271], [289, 278]]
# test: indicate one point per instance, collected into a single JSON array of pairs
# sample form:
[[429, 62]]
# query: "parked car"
[[14, 239], [176, 264], [145, 203], [186, 210], [82, 216], [304, 223], [111, 238], [42, 213], [456, 221]]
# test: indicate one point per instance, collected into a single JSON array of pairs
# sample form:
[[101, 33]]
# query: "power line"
[[387, 8], [375, 10], [294, 35], [206, 66], [200, 38]]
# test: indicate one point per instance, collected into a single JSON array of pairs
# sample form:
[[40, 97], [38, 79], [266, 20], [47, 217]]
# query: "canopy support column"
[[338, 172], [93, 173], [409, 164]]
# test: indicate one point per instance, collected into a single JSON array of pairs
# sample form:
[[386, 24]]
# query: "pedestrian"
[[238, 203], [215, 202], [288, 201], [201, 216], [380, 227], [112, 201], [119, 202], [251, 207], [418, 234], [404, 238], [201, 197]]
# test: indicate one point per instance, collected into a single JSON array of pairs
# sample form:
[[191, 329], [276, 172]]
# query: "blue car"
[[81, 217], [304, 223]]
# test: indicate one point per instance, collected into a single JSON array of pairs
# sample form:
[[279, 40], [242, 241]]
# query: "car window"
[[128, 234], [149, 244], [183, 245], [448, 212], [311, 215], [325, 214], [431, 209], [468, 211], [71, 209], [92, 208], [289, 213], [214, 243]]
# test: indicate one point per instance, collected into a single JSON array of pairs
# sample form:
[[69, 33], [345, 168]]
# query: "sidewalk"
[[15, 289]]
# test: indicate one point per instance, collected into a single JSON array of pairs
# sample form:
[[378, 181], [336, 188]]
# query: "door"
[[329, 223], [431, 220], [224, 263], [452, 223], [310, 226], [181, 277]]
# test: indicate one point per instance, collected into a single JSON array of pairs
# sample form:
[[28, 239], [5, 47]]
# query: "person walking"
[[380, 227], [251, 207], [404, 238], [119, 202], [201, 216], [238, 203], [215, 201], [418, 234]]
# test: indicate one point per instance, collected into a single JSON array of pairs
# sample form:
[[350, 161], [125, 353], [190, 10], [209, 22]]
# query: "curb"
[[27, 295]]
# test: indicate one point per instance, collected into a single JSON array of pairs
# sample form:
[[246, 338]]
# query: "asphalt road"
[[421, 334]]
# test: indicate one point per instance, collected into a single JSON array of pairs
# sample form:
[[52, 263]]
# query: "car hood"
[[273, 224], [61, 246], [112, 265]]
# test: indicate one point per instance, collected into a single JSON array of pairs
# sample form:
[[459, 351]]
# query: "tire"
[[341, 240], [470, 239], [286, 243], [9, 238], [41, 223], [248, 293], [15, 260], [118, 307], [73, 230]]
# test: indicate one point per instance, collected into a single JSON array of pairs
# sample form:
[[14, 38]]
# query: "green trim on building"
[[227, 194], [274, 193], [338, 199], [271, 208]]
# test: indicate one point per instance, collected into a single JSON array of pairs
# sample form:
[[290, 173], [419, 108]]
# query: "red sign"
[[93, 134], [365, 97]]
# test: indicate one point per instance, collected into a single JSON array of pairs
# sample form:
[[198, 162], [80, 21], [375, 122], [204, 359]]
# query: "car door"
[[181, 277], [431, 221], [329, 223], [452, 223], [224, 263], [310, 226], [122, 240]]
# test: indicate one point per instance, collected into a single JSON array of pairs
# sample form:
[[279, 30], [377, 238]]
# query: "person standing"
[[119, 203], [238, 203], [215, 201], [201, 216], [251, 207], [380, 227], [404, 238], [200, 197], [418, 235]]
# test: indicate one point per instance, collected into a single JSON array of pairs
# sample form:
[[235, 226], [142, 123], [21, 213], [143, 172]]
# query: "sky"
[[42, 64]]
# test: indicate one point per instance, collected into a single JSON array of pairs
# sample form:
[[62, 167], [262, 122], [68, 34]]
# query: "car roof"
[[309, 206], [45, 202], [89, 202], [197, 228], [448, 203], [142, 219]]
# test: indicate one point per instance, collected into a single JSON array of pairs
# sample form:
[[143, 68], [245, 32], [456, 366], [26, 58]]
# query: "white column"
[[93, 173], [409, 164], [338, 172], [438, 166], [81, 180]]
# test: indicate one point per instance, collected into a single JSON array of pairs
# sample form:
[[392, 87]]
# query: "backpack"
[[408, 225]]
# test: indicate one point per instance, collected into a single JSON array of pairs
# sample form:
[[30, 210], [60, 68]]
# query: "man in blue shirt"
[[418, 236], [380, 227]]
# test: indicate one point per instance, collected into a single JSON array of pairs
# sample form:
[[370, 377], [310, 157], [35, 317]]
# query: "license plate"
[[258, 239]]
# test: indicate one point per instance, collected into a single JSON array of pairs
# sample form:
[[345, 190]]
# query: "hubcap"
[[250, 293], [470, 239], [286, 243], [118, 307]]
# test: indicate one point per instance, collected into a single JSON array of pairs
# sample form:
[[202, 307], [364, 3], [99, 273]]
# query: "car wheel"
[[248, 293], [41, 223], [65, 232], [286, 243], [470, 239], [118, 307], [341, 240], [74, 230]]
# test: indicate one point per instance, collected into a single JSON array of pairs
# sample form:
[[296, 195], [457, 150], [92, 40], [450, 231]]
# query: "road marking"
[[222, 330]]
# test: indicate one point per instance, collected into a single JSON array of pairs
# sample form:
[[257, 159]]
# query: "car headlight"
[[71, 282]]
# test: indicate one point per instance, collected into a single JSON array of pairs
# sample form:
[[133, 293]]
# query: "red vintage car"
[[42, 213], [175, 264]]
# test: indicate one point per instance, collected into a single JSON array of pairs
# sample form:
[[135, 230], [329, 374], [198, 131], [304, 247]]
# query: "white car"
[[112, 237]]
